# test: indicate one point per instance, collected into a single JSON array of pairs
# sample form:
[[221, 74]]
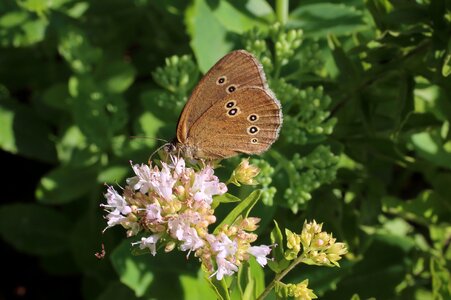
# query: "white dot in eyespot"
[[252, 117], [233, 111], [221, 80], [231, 88], [230, 104], [252, 130], [254, 141]]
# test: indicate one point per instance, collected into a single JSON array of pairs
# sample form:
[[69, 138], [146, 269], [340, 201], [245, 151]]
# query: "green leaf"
[[65, 184], [241, 209], [115, 77], [97, 114], [149, 125], [113, 173], [428, 208], [77, 10], [117, 291], [74, 150], [196, 287], [19, 29], [429, 146], [57, 96], [219, 287], [237, 16], [133, 271], [322, 19], [40, 7], [252, 279], [208, 37], [350, 71], [224, 198], [13, 19], [280, 262], [34, 229], [16, 120]]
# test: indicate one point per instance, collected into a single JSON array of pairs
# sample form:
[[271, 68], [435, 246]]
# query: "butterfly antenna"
[[152, 138], [158, 149], [148, 137]]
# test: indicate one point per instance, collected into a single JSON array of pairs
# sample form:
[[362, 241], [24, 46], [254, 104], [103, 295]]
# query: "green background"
[[86, 86]]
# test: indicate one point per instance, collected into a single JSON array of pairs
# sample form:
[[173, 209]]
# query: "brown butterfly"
[[231, 111]]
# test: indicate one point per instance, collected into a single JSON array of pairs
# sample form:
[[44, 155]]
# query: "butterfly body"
[[231, 111]]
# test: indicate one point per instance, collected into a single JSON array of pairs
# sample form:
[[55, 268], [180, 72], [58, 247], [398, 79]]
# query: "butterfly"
[[230, 111]]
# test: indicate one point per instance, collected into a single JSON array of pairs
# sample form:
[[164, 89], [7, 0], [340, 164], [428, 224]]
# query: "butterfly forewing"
[[246, 121], [233, 72]]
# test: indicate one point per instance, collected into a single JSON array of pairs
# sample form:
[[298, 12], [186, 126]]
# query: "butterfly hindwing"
[[245, 121]]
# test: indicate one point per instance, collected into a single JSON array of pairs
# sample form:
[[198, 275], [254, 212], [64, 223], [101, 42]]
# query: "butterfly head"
[[178, 149]]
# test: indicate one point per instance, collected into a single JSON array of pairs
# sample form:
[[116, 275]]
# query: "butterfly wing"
[[234, 71], [246, 121]]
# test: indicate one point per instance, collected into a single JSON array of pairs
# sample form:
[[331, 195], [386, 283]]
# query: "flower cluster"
[[172, 206], [319, 247], [300, 291]]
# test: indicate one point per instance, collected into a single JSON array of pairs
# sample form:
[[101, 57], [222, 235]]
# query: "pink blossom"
[[153, 212], [260, 253], [142, 180], [191, 240], [222, 245], [225, 267], [162, 182], [116, 202], [114, 218], [178, 226], [178, 164], [149, 242], [206, 185]]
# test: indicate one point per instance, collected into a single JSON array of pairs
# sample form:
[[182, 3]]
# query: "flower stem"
[[282, 11], [280, 276]]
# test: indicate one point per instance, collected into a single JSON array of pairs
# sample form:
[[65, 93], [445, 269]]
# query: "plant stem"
[[280, 276], [282, 11]]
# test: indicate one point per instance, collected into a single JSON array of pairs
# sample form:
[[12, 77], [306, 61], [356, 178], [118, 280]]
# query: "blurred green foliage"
[[365, 147]]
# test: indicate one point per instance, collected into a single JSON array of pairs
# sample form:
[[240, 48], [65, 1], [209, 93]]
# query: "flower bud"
[[170, 246], [245, 174], [250, 224]]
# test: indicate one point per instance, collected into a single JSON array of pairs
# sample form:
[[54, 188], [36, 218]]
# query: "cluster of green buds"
[[298, 291], [318, 247]]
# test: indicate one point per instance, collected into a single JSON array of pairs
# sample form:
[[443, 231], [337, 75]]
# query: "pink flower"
[[206, 185], [225, 267], [162, 182], [260, 253], [222, 245], [114, 218], [178, 226], [142, 179], [153, 213], [178, 164], [149, 242], [191, 240], [116, 202]]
